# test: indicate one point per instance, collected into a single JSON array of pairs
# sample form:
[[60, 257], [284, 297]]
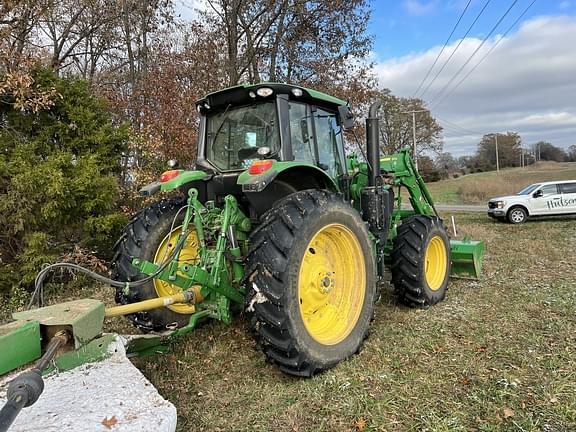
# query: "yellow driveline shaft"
[[181, 297]]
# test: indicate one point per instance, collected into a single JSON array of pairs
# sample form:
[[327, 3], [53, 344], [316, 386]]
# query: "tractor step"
[[467, 256]]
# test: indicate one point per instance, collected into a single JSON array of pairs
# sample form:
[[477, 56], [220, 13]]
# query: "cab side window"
[[328, 137], [301, 132]]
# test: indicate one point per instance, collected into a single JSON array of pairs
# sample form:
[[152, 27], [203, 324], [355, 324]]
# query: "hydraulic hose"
[[39, 281]]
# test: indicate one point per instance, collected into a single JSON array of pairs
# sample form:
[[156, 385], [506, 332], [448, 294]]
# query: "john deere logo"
[[559, 202]]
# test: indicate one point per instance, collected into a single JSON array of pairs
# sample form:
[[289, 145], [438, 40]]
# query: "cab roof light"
[[297, 92], [169, 175], [260, 166], [264, 91]]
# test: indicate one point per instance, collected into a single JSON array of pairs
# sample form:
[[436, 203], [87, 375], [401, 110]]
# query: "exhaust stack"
[[372, 143]]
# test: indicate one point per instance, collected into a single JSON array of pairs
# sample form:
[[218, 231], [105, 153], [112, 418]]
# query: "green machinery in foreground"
[[277, 219]]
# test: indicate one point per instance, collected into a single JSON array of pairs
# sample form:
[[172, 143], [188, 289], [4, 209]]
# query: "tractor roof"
[[248, 93]]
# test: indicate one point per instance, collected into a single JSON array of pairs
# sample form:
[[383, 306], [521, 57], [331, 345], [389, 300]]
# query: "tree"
[[509, 150], [572, 153], [58, 185], [428, 169], [446, 164], [396, 125], [548, 152], [321, 44]]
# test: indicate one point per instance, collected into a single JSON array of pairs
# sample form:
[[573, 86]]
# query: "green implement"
[[467, 256]]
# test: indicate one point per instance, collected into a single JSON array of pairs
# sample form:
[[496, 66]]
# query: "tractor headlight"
[[264, 91]]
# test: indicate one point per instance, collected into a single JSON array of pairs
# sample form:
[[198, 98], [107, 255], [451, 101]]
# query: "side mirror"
[[538, 194], [346, 117]]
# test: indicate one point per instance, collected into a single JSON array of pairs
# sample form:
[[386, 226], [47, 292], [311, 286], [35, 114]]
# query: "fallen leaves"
[[109, 422], [360, 424], [508, 412]]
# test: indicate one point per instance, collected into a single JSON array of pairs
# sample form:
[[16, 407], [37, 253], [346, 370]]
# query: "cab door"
[[545, 200], [568, 191]]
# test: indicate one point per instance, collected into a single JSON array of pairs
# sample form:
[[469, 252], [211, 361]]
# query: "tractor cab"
[[296, 130]]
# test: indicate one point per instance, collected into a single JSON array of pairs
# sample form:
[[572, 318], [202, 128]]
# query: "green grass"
[[497, 355], [477, 188]]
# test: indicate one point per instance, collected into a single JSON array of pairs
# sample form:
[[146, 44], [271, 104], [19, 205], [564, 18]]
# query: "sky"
[[525, 82], [503, 72]]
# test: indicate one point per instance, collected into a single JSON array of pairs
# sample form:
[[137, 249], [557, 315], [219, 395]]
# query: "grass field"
[[478, 188], [497, 355]]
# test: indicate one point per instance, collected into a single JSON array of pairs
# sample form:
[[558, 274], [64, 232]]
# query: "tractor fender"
[[179, 179], [299, 175]]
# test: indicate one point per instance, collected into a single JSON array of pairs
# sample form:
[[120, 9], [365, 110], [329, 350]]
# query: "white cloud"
[[527, 84], [416, 7]]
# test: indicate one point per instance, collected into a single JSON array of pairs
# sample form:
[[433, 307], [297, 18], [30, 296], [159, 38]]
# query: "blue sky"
[[403, 27]]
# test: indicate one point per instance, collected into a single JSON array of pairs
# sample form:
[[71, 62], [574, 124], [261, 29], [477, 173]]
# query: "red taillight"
[[260, 166], [169, 175]]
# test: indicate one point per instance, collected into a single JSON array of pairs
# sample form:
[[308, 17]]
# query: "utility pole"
[[413, 112], [497, 161]]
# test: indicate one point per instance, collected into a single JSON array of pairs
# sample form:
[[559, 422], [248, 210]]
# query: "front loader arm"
[[400, 167]]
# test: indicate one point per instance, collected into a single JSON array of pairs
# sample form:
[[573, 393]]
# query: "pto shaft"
[[182, 297]]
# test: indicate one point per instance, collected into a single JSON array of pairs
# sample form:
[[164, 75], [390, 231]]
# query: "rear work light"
[[169, 175], [260, 166]]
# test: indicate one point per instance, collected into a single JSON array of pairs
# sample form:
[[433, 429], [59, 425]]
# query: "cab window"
[[235, 134], [301, 132], [329, 140]]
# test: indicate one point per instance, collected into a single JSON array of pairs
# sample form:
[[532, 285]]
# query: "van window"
[[568, 188]]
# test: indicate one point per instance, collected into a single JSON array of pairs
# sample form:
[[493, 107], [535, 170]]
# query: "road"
[[462, 208], [459, 208]]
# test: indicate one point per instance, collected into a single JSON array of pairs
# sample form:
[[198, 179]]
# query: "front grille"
[[491, 205]]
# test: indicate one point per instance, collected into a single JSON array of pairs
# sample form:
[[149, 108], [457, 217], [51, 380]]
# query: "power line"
[[458, 127], [442, 50], [476, 50], [455, 49], [485, 55]]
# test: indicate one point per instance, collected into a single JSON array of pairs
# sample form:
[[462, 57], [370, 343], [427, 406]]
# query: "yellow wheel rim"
[[331, 284], [188, 255], [436, 261]]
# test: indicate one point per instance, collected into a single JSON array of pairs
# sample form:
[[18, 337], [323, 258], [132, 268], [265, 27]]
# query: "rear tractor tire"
[[148, 236], [421, 261], [310, 281]]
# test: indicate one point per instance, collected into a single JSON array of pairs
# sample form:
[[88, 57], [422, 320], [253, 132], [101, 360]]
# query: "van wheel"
[[517, 215]]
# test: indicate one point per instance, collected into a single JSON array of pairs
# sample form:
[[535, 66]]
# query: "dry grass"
[[478, 188], [497, 355]]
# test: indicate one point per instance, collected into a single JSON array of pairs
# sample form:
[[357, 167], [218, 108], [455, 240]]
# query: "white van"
[[539, 199]]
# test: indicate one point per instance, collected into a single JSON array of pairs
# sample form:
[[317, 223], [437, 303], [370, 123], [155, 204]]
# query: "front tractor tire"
[[421, 261], [310, 281], [151, 235]]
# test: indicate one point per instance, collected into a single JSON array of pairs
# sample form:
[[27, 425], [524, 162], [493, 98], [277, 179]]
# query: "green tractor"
[[277, 219]]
